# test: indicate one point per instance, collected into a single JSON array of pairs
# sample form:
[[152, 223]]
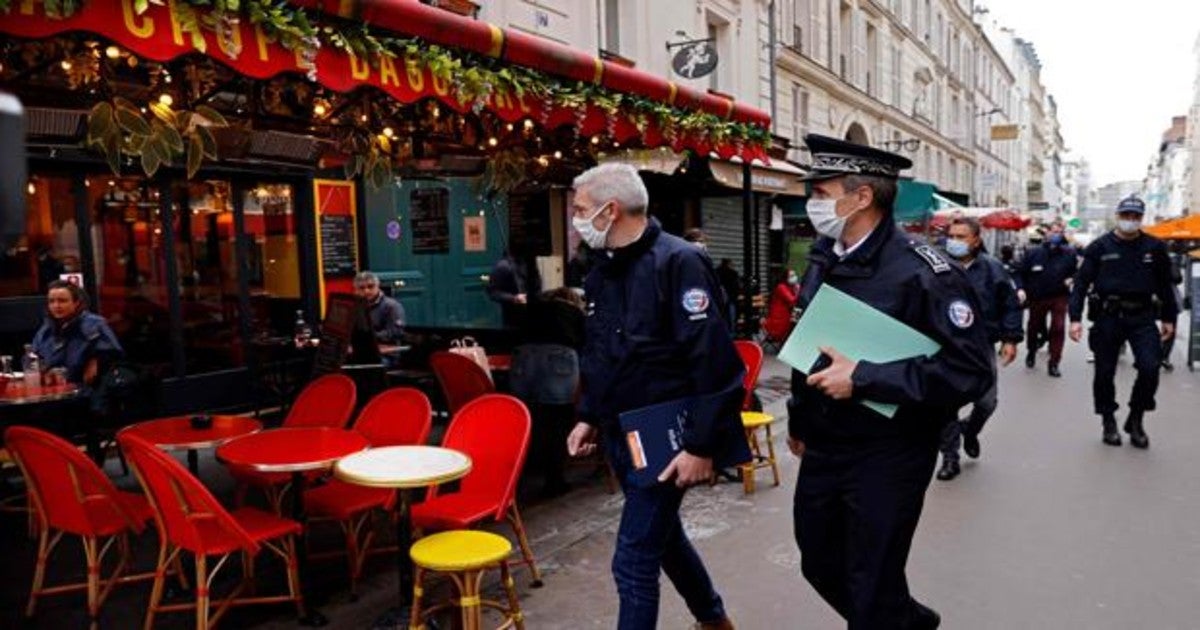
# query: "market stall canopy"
[[1005, 220], [411, 51], [1186, 228], [779, 177]]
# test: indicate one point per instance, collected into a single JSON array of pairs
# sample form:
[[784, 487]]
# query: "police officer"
[[1129, 273], [1001, 313], [654, 333], [1044, 281], [863, 477]]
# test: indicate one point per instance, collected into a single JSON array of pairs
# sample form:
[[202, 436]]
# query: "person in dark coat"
[[731, 284], [513, 279], [863, 476], [1129, 273], [1044, 282], [655, 334], [1001, 313], [73, 337]]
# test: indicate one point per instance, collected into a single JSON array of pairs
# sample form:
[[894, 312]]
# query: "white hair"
[[614, 182]]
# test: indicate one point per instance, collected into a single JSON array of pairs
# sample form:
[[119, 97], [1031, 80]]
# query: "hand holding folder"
[[835, 320]]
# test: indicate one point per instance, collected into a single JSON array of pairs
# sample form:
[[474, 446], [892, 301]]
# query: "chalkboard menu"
[[430, 224], [529, 221], [1194, 330], [339, 255]]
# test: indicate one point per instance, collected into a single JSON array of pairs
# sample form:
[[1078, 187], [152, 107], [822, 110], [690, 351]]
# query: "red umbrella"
[[1005, 220]]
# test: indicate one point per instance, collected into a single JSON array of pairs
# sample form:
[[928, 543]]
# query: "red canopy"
[[1005, 220]]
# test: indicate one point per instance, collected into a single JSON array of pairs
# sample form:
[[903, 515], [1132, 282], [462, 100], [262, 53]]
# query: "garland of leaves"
[[118, 128], [474, 79]]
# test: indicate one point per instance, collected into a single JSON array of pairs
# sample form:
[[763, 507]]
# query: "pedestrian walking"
[[1044, 284], [863, 477], [654, 333], [1128, 273], [1001, 313]]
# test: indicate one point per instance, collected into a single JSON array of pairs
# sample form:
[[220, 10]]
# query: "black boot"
[[1111, 437], [1137, 434], [1031, 359], [949, 470]]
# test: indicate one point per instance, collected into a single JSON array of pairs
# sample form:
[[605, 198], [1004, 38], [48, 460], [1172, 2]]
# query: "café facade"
[[207, 173]]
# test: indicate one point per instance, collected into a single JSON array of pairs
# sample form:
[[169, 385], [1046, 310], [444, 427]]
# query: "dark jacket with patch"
[[655, 333], [997, 298], [916, 285], [1045, 270], [1136, 270]]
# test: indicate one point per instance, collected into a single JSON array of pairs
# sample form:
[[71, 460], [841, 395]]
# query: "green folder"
[[855, 329]]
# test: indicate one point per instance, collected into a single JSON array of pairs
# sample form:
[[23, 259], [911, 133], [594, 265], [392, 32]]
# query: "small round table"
[[404, 468], [296, 451], [177, 434]]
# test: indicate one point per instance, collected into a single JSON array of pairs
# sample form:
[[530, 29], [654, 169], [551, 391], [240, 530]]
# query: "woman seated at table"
[[72, 337], [780, 320], [545, 376]]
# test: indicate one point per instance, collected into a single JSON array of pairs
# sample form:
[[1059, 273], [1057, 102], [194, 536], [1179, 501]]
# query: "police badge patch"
[[961, 314], [695, 301]]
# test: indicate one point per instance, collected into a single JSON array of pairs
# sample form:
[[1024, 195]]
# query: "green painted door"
[[433, 242]]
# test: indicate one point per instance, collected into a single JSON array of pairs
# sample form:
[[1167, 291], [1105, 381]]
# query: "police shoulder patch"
[[695, 300], [961, 314], [931, 257]]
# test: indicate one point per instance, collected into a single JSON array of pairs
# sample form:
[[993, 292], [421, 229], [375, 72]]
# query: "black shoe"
[[1168, 366], [925, 618], [971, 445], [948, 471], [1031, 359], [1052, 370], [1137, 434], [1111, 437]]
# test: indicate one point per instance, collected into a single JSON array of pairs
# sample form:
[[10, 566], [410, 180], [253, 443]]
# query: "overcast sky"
[[1119, 71]]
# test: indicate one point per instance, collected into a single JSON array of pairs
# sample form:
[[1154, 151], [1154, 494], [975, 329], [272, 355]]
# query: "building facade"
[[1165, 188]]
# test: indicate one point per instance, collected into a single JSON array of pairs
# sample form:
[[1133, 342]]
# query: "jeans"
[[545, 373], [651, 540]]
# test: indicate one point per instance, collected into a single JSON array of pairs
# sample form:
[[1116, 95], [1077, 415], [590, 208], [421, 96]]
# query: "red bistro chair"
[[462, 380], [328, 401], [400, 416], [493, 430], [190, 520], [752, 356], [69, 494]]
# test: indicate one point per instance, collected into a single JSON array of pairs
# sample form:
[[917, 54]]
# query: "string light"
[[112, 52], [31, 188], [362, 118], [389, 132], [528, 125], [509, 126], [66, 64], [166, 99], [87, 183], [595, 139], [558, 155], [319, 109], [493, 142]]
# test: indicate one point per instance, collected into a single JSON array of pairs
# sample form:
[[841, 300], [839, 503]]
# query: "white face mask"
[[825, 219], [595, 239], [1129, 226]]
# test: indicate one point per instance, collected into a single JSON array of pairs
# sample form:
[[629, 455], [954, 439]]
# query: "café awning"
[[1186, 228], [624, 105], [778, 178]]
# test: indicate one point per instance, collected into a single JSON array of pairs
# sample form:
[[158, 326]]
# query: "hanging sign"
[[694, 59]]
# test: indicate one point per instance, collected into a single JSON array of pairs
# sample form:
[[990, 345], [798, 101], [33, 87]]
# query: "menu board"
[[529, 219], [430, 224], [339, 255]]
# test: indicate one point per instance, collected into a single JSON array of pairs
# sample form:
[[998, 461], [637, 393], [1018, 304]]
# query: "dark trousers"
[[981, 411], [1056, 307], [551, 424], [855, 515], [1107, 335], [651, 541]]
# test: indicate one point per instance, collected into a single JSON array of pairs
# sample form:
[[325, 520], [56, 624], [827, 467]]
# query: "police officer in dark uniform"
[[1001, 312], [1126, 280], [655, 332], [863, 477]]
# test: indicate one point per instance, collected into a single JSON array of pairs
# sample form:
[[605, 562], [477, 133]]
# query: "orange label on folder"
[[635, 449]]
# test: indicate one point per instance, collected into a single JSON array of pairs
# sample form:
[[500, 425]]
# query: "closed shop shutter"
[[722, 224]]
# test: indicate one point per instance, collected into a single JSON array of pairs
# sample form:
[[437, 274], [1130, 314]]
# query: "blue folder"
[[654, 434]]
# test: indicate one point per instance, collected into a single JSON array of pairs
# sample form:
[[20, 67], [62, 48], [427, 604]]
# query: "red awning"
[[1005, 220], [156, 34]]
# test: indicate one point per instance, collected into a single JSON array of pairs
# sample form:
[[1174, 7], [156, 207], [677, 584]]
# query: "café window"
[[273, 259], [50, 245]]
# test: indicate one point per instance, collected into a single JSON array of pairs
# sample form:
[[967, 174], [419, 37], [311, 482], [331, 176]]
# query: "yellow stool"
[[464, 555], [752, 421]]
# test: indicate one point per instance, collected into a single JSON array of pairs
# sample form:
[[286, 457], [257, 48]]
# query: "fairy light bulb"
[[320, 110], [112, 52], [389, 132], [66, 64], [493, 142], [166, 99]]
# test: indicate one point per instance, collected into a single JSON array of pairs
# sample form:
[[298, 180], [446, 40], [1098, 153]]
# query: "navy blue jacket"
[[387, 319], [1045, 270], [1137, 269], [82, 339], [654, 333], [997, 298], [918, 286]]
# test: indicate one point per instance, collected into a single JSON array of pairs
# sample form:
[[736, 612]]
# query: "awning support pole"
[[748, 316]]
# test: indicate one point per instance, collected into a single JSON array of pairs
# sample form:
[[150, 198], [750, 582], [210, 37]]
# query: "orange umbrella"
[[1185, 228]]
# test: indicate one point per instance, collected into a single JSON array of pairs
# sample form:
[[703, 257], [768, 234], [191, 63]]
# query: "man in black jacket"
[[863, 476], [1001, 312], [1044, 282]]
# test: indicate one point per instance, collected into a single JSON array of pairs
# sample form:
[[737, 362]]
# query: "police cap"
[[836, 158], [1131, 204]]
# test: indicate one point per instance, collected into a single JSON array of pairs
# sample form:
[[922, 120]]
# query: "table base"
[[311, 617]]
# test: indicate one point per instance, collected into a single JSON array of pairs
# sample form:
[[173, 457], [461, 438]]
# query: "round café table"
[[403, 468], [297, 451], [177, 434]]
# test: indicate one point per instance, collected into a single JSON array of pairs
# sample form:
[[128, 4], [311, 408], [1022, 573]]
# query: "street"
[[1050, 528]]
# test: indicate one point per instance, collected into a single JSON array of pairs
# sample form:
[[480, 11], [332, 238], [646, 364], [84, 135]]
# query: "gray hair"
[[615, 182], [883, 189], [366, 277]]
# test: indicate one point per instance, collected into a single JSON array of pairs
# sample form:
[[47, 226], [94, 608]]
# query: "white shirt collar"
[[842, 251]]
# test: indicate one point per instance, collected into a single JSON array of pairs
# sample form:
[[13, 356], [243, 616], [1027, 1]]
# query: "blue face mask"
[[1057, 239], [957, 249]]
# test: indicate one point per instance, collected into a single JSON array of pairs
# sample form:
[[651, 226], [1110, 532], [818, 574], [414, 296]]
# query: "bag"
[[467, 347]]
